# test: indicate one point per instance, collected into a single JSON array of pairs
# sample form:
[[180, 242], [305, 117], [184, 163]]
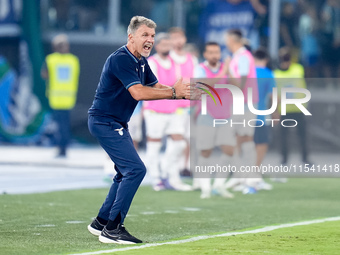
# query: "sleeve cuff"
[[152, 83], [132, 83]]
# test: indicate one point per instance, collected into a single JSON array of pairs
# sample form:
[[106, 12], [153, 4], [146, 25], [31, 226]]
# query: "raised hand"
[[182, 89]]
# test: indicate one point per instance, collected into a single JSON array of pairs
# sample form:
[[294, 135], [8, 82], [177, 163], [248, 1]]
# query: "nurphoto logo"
[[238, 103]]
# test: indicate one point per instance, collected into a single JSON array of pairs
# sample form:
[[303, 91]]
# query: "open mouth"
[[147, 47]]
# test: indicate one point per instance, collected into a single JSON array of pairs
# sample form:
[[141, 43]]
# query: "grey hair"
[[137, 21], [161, 36], [60, 39]]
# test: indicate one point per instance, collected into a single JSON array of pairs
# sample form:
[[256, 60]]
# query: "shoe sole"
[[104, 239], [93, 231]]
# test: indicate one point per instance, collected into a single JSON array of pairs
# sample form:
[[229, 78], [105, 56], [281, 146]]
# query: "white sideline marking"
[[191, 209], [45, 226], [197, 238], [148, 213], [170, 211]]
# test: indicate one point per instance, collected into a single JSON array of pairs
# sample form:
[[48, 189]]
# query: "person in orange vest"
[[61, 70]]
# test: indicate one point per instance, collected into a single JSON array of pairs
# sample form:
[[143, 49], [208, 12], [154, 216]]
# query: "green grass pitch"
[[321, 238], [55, 223]]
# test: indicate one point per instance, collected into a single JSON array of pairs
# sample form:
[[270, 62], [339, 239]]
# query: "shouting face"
[[142, 41]]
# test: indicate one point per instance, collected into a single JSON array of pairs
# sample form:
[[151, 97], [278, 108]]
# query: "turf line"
[[197, 238]]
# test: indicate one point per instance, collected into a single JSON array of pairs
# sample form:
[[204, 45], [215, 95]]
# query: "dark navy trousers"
[[116, 141], [62, 118]]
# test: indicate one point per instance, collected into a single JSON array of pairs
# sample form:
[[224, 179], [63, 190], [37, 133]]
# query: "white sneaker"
[[263, 186], [158, 187], [232, 182], [180, 186], [222, 192], [205, 195], [239, 188], [196, 184], [252, 182]]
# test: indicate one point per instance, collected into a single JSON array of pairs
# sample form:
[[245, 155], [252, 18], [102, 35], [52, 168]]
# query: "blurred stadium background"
[[97, 28]]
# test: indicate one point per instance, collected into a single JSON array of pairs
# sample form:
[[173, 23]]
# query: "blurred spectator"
[[209, 137], [246, 44], [61, 8], [242, 73], [288, 25], [61, 69], [222, 15], [309, 45], [330, 38], [164, 118], [186, 63], [291, 75], [193, 10], [84, 15], [161, 11], [192, 49], [262, 23], [130, 8], [91, 14], [266, 83]]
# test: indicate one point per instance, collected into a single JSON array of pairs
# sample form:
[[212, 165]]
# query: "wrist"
[[173, 93]]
